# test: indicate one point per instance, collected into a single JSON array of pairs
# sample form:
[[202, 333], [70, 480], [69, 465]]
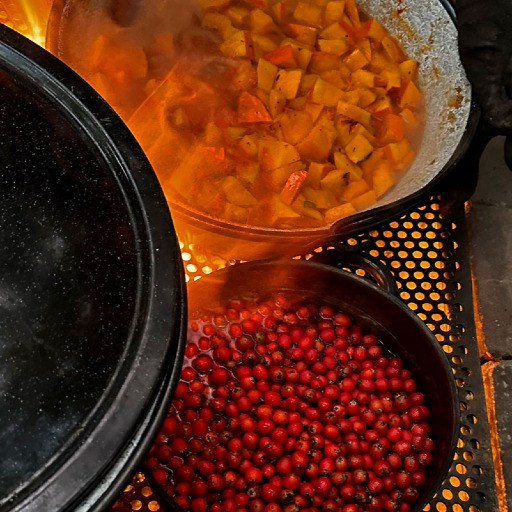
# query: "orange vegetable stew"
[[301, 113]]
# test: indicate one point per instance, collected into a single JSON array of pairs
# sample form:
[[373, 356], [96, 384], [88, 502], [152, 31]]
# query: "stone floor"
[[490, 231]]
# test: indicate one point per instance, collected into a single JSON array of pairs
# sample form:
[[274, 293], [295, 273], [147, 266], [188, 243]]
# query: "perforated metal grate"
[[428, 256]]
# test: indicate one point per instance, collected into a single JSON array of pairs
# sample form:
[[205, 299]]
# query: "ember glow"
[[28, 17]]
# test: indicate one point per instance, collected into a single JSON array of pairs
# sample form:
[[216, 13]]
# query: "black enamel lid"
[[92, 301]]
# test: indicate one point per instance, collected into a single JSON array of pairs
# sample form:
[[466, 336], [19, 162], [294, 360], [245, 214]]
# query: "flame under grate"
[[428, 257]]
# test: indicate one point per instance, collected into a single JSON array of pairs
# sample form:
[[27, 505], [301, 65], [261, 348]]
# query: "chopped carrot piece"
[[252, 110], [282, 57], [292, 186], [392, 129]]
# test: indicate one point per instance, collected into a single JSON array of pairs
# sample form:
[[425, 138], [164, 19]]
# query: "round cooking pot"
[[92, 297], [427, 32], [400, 331]]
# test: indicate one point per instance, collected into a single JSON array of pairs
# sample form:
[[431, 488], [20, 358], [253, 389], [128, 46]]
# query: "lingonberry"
[[288, 407]]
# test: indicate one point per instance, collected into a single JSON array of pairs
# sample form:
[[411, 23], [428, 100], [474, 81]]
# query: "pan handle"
[[351, 256]]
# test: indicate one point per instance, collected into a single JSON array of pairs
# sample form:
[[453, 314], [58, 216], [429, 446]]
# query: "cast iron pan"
[[92, 297], [400, 330]]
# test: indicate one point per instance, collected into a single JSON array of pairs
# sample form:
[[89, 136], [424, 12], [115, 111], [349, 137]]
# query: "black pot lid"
[[92, 301]]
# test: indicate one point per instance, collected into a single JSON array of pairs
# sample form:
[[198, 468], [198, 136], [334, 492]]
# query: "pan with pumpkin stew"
[[304, 112]]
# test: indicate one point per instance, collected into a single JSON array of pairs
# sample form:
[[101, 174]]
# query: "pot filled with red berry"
[[304, 388]]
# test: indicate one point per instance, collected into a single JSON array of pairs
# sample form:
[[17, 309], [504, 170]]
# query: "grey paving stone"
[[490, 234], [495, 181], [502, 378]]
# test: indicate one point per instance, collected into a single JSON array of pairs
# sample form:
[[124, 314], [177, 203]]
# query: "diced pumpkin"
[[371, 163], [383, 178], [352, 171], [398, 151], [325, 93], [308, 13], [292, 186], [375, 30], [322, 198], [248, 172], [354, 112], [364, 201], [358, 128], [358, 148], [281, 210], [390, 48], [303, 57], [298, 103], [307, 83], [354, 189], [355, 60], [334, 78], [333, 181], [323, 61], [295, 126], [302, 33], [237, 45], [363, 78], [351, 96], [267, 73], [317, 145], [409, 69], [237, 14], [274, 154], [249, 145], [212, 135], [288, 82], [260, 4], [366, 48], [281, 10], [411, 96], [261, 22], [236, 193], [264, 44], [335, 31], [366, 98], [392, 129], [334, 11], [392, 78], [336, 46], [314, 110], [252, 110], [219, 22], [353, 13], [213, 5], [339, 212], [282, 57], [343, 129], [276, 102], [316, 172], [381, 104], [307, 208], [235, 133]]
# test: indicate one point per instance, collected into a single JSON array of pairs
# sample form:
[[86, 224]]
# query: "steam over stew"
[[300, 113]]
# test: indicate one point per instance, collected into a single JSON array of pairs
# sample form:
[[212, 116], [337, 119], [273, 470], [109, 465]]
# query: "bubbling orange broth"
[[299, 114]]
